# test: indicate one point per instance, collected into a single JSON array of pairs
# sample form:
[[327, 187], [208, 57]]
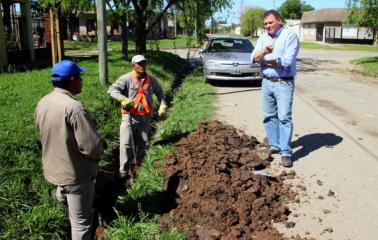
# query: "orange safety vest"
[[140, 97]]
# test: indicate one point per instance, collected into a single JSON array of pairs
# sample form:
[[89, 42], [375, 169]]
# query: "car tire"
[[205, 80]]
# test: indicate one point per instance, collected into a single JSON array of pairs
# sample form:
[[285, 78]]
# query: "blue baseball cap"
[[65, 69]]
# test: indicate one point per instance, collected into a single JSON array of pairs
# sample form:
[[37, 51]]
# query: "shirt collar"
[[277, 33], [63, 91]]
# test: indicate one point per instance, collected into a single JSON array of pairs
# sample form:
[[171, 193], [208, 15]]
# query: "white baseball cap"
[[138, 59]]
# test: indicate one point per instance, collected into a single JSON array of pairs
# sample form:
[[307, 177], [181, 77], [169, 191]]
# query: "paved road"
[[335, 143]]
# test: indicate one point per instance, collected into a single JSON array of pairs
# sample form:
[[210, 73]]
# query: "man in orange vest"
[[134, 90]]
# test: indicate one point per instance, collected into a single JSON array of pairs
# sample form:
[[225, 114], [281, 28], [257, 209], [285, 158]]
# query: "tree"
[[194, 10], [293, 9], [119, 15], [364, 13], [66, 10], [251, 20]]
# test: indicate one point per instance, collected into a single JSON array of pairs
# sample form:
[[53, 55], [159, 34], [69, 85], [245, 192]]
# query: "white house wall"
[[309, 32]]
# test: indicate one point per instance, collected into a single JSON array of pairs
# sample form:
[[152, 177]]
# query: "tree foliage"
[[193, 11], [250, 20], [69, 6], [147, 14], [364, 13], [293, 9]]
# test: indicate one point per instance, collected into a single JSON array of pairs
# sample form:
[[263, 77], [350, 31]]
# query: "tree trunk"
[[140, 32], [125, 40], [70, 24]]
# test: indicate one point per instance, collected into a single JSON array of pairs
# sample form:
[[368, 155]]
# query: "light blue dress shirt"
[[286, 48]]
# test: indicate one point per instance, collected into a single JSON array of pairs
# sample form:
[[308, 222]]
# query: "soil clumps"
[[210, 174]]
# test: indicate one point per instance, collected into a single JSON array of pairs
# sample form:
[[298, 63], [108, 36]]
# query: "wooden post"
[[52, 26], [57, 28]]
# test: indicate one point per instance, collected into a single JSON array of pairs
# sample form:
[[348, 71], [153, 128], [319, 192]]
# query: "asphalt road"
[[335, 143]]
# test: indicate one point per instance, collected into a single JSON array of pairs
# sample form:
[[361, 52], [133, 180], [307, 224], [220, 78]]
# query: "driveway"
[[335, 145]]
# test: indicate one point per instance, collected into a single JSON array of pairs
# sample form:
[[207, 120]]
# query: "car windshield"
[[230, 45]]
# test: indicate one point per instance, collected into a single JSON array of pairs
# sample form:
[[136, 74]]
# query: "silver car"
[[229, 58]]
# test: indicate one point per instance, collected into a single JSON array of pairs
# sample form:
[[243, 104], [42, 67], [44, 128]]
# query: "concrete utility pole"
[[102, 37]]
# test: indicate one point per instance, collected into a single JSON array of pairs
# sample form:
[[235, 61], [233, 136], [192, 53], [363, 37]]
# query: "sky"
[[274, 4]]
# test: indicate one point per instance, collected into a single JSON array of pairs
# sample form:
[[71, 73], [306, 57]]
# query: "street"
[[335, 143]]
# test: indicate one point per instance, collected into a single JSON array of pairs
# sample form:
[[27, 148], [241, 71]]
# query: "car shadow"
[[230, 92], [313, 142], [236, 84]]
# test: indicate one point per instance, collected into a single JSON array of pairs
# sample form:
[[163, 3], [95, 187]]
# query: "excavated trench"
[[210, 173]]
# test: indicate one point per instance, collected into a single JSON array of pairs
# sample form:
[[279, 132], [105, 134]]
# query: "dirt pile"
[[210, 173]]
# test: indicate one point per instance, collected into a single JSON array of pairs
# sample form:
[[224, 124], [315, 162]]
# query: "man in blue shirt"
[[276, 50]]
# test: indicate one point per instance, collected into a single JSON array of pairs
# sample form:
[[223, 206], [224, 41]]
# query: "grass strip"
[[369, 65], [27, 210]]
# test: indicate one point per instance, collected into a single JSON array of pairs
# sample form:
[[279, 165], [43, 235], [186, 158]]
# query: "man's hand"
[[126, 103], [162, 110], [259, 56], [268, 49]]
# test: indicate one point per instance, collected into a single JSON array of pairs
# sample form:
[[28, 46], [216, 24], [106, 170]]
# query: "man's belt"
[[277, 79]]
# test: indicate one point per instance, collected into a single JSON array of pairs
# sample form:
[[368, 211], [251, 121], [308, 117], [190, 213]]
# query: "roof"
[[324, 15]]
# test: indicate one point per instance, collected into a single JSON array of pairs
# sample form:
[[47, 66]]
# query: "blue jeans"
[[277, 102]]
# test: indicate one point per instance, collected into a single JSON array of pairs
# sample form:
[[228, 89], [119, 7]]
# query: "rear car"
[[229, 59]]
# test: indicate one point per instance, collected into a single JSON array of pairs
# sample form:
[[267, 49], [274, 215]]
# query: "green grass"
[[144, 228], [181, 41], [368, 65], [27, 210], [342, 47]]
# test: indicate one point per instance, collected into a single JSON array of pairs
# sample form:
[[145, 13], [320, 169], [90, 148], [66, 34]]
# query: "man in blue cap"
[[70, 146]]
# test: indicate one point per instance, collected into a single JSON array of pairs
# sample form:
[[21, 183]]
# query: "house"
[[327, 26]]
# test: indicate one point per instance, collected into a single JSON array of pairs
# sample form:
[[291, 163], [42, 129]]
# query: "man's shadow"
[[312, 142]]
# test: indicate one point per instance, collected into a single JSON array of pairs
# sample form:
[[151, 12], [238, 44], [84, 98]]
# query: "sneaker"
[[286, 161]]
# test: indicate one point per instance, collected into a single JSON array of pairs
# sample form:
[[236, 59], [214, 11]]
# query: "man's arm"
[[117, 89], [259, 55], [158, 90], [289, 56], [88, 140]]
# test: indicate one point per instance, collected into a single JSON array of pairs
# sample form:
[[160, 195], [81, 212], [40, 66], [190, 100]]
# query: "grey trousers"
[[80, 202], [140, 132]]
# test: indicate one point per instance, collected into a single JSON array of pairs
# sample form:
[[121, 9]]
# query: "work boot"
[[273, 151], [286, 161]]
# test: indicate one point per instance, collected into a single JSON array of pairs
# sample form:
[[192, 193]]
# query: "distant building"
[[294, 25], [327, 26], [237, 30]]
